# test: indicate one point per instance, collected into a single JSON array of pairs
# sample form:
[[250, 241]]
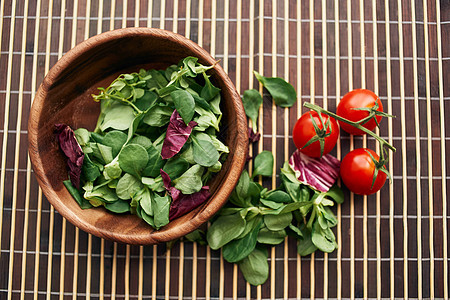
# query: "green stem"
[[356, 125]]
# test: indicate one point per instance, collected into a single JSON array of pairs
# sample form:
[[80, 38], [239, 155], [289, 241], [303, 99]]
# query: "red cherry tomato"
[[359, 98], [357, 170], [304, 131]]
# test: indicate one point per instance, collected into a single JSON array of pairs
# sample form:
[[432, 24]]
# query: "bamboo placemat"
[[392, 244]]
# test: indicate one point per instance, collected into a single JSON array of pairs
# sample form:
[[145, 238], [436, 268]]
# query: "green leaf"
[[252, 221], [271, 204], [305, 246], [77, 195], [119, 206], [146, 101], [89, 170], [145, 201], [175, 166], [263, 164], [106, 152], [118, 117], [191, 180], [237, 250], [241, 189], [128, 185], [112, 170], [133, 159], [155, 162], [148, 219], [184, 104], [252, 100], [225, 229], [336, 194], [283, 93], [141, 140], [278, 222], [278, 196], [139, 93], [158, 116], [161, 206], [296, 230], [82, 136], [209, 91], [323, 239], [255, 267], [115, 139], [197, 236], [267, 236], [205, 154]]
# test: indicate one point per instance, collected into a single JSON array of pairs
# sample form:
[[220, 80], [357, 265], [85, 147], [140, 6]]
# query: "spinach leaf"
[[209, 91], [106, 153], [148, 219], [128, 185], [155, 162], [336, 194], [158, 116], [237, 250], [277, 196], [146, 101], [112, 170], [255, 267], [133, 159], [191, 180], [89, 170], [278, 222], [271, 204], [82, 136], [283, 93], [267, 236], [225, 229], [175, 167], [184, 104], [306, 246], [119, 206], [114, 139], [263, 164], [118, 117], [252, 100], [205, 154], [141, 140], [323, 239], [76, 194], [161, 206]]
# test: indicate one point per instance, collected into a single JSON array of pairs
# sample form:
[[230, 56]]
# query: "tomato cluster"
[[315, 134]]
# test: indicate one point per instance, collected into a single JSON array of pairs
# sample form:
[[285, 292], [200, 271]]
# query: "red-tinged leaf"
[[72, 150], [182, 204], [252, 136], [166, 179], [319, 173], [177, 135]]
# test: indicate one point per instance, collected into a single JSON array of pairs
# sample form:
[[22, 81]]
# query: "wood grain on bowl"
[[65, 97]]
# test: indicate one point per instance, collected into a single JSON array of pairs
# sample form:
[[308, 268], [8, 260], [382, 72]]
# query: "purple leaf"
[[72, 150], [185, 203], [318, 173], [253, 136], [166, 179], [177, 135], [182, 203]]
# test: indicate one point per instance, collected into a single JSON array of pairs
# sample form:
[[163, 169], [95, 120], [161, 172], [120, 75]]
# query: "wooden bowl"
[[65, 97]]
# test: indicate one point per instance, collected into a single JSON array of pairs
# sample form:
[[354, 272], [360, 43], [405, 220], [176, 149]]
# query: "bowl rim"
[[202, 213]]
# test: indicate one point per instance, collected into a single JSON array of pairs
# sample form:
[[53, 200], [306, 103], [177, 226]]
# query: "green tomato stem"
[[356, 125]]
